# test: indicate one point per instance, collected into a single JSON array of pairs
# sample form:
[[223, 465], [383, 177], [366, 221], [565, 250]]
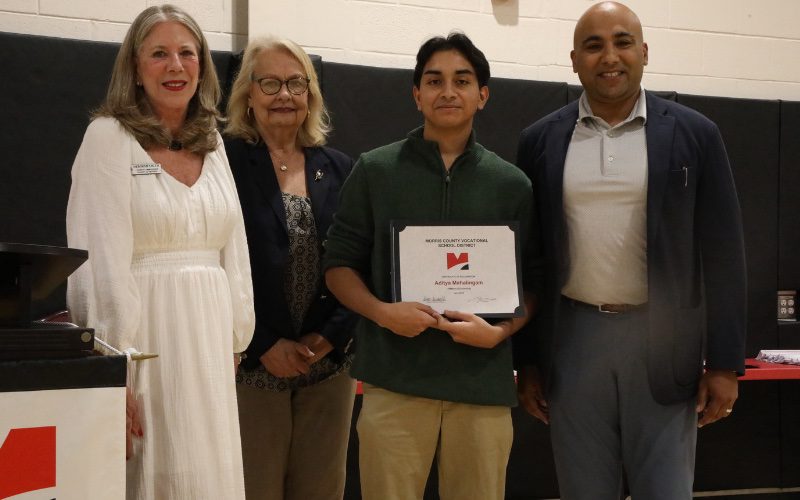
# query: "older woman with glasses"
[[154, 202], [295, 396]]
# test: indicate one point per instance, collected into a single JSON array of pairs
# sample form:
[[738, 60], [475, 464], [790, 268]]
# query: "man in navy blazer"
[[645, 279]]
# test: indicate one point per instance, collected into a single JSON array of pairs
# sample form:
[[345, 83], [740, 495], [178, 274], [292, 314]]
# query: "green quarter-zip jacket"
[[407, 181]]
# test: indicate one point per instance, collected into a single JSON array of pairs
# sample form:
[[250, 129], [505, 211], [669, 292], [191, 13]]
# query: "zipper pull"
[[685, 176]]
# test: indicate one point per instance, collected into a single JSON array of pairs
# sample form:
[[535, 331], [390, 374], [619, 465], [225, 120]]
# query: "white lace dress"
[[168, 272]]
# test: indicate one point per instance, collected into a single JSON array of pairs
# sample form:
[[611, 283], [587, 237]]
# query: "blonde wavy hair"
[[128, 102], [314, 130]]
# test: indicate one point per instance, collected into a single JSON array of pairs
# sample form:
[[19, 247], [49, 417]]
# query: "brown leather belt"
[[606, 308]]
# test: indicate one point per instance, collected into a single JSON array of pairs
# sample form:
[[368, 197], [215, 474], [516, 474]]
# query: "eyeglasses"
[[271, 86]]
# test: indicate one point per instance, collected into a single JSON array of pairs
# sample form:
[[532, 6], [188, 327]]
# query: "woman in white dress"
[[154, 202]]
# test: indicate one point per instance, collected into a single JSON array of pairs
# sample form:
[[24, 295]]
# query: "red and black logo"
[[28, 460], [461, 259]]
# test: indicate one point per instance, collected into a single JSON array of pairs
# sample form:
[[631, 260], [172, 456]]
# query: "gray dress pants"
[[604, 419]]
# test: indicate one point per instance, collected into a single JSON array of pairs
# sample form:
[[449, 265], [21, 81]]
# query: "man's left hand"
[[715, 397], [471, 330]]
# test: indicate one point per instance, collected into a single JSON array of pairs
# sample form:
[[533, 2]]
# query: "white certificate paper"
[[458, 267]]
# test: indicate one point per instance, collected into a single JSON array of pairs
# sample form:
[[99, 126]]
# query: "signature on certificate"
[[434, 300], [482, 299]]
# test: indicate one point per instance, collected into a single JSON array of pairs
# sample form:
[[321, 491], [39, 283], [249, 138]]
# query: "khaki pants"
[[400, 435], [294, 443]]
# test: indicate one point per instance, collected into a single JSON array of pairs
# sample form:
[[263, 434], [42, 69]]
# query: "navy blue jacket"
[[697, 287]]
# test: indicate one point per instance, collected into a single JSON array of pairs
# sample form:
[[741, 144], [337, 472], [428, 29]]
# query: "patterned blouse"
[[303, 275]]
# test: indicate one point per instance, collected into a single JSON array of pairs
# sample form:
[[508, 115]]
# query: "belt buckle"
[[602, 309]]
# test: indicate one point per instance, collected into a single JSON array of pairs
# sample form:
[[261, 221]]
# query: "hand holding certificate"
[[409, 319], [470, 329], [471, 268]]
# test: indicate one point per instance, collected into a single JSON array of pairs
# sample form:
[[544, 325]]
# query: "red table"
[[761, 370]]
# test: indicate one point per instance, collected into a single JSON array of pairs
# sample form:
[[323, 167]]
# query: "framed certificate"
[[468, 267]]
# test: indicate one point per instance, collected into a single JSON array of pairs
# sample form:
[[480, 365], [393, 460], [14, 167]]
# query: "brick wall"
[[223, 21], [737, 48]]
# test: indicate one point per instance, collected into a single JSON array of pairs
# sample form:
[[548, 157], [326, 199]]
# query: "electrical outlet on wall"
[[787, 305]]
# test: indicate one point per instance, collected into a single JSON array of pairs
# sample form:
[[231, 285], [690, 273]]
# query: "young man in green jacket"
[[434, 385]]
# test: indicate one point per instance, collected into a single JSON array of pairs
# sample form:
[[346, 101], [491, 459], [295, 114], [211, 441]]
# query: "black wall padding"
[[512, 106], [531, 472], [789, 219], [789, 216], [49, 87], [369, 106], [751, 132], [227, 66], [790, 433], [743, 451]]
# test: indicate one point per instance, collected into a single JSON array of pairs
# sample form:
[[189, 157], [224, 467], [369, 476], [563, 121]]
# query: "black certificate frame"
[[398, 226]]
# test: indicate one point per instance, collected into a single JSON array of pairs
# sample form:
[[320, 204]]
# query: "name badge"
[[145, 168]]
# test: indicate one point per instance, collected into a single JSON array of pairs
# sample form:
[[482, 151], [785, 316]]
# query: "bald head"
[[602, 12], [609, 55]]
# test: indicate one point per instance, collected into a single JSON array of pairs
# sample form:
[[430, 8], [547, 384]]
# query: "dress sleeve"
[[236, 262], [102, 293]]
